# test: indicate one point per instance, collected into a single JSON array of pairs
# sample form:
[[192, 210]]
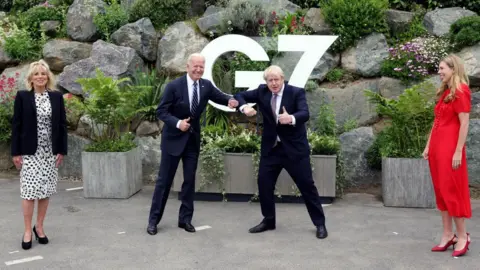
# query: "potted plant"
[[406, 180], [112, 163], [226, 163]]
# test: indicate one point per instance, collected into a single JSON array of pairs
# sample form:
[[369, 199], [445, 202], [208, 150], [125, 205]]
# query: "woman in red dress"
[[445, 151]]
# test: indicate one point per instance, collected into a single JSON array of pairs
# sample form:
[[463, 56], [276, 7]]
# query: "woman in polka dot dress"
[[39, 142]]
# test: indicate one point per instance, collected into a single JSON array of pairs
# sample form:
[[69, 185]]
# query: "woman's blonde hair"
[[459, 76], [31, 71]]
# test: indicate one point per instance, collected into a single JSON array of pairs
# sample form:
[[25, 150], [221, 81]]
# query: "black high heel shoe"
[[41, 240], [26, 245]]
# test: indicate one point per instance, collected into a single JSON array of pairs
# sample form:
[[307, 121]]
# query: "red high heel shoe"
[[458, 253], [447, 245]]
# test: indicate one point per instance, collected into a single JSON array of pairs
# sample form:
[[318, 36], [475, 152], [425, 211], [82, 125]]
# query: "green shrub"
[[409, 120], [409, 5], [326, 124], [414, 30], [23, 5], [465, 32], [306, 3], [113, 18], [32, 18], [334, 75], [20, 45], [323, 144], [243, 17], [112, 106], [61, 2], [7, 98], [352, 20], [6, 5], [161, 12]]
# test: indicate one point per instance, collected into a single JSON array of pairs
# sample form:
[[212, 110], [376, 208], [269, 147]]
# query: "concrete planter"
[[239, 176], [406, 182], [112, 175]]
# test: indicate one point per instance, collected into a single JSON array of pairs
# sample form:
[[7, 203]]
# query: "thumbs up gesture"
[[184, 125], [284, 118]]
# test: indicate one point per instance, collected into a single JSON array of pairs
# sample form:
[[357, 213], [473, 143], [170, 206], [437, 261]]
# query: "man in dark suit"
[[180, 109], [284, 145]]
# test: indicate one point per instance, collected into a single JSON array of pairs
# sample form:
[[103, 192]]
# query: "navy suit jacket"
[[24, 124], [175, 106], [293, 137]]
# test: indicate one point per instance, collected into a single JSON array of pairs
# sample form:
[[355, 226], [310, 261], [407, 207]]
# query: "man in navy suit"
[[284, 146], [180, 109]]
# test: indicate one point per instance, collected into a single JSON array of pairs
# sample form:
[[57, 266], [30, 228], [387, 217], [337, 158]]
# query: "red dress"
[[451, 186]]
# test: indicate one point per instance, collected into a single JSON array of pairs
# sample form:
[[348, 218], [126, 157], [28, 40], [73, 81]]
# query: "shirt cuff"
[[178, 124], [241, 108], [293, 120]]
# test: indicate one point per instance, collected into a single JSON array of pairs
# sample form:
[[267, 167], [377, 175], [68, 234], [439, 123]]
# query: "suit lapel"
[[286, 96], [185, 91]]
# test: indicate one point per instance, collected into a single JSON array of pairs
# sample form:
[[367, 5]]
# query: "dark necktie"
[[195, 98]]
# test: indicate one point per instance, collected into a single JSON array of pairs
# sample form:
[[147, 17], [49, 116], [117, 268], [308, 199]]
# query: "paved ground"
[[110, 234]]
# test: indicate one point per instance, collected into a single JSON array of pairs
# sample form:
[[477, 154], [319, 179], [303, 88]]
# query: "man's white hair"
[[273, 70], [194, 55]]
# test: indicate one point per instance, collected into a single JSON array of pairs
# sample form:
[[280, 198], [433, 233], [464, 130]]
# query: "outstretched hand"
[[284, 118], [249, 111]]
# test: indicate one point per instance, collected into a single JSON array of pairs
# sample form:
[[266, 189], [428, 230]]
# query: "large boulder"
[[473, 151], [151, 156], [475, 111], [179, 41], [315, 20], [72, 163], [438, 21], [471, 57], [398, 20], [288, 61], [19, 73], [367, 56], [141, 36], [60, 53], [80, 26], [211, 20], [114, 61], [354, 145], [349, 103]]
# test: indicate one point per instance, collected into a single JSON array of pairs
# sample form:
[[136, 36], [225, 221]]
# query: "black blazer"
[[175, 106], [294, 138], [24, 124]]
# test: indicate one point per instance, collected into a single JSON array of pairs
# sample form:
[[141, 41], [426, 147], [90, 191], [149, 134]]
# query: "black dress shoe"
[[322, 232], [152, 230], [41, 240], [186, 226], [262, 227]]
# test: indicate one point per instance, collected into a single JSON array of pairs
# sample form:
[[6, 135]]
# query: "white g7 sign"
[[313, 46]]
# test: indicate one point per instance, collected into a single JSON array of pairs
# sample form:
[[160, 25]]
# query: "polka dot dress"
[[39, 176]]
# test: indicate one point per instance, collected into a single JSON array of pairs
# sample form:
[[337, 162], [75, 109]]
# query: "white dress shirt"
[[190, 94]]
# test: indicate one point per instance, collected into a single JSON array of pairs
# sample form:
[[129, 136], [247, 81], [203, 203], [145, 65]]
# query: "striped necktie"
[[195, 98]]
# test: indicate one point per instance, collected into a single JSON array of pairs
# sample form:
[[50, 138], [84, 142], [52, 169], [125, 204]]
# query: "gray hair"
[[273, 70], [193, 55]]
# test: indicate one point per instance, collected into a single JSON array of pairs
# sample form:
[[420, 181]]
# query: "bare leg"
[[27, 206], [42, 211], [461, 233], [447, 228]]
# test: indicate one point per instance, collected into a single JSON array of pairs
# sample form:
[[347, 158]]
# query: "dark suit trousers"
[[301, 172], [166, 173]]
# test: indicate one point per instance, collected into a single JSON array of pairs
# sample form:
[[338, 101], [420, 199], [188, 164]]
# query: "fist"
[[184, 125], [232, 103]]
